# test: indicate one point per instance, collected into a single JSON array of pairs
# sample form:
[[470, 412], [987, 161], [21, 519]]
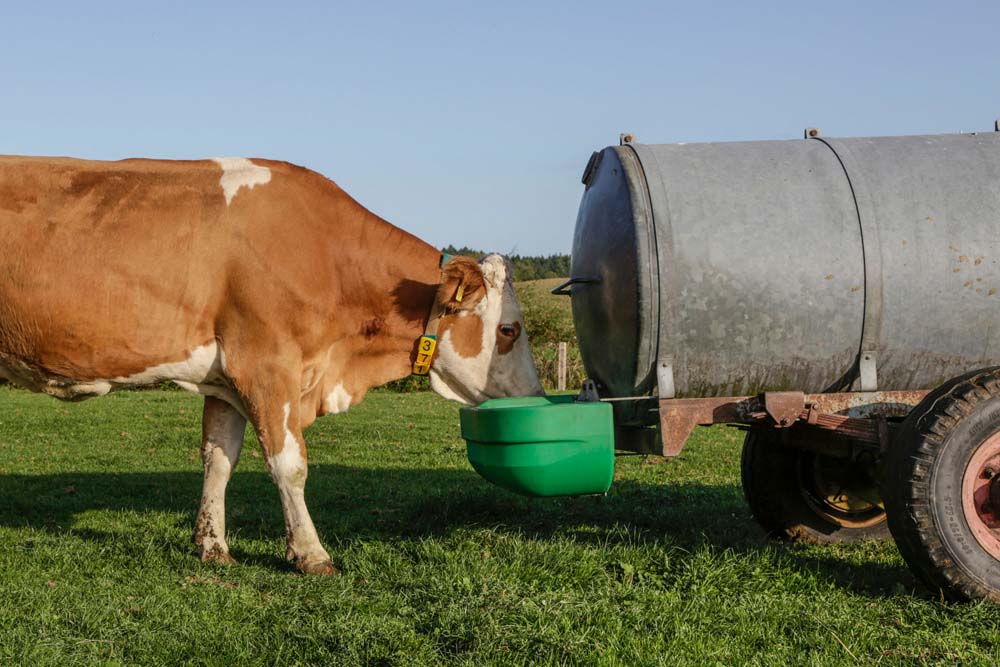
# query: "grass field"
[[541, 290], [97, 502], [549, 321]]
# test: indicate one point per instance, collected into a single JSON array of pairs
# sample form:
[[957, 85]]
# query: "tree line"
[[526, 267]]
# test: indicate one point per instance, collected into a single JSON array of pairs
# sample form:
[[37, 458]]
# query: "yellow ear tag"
[[460, 292], [425, 354]]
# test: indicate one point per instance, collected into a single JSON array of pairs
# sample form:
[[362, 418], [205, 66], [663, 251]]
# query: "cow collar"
[[427, 344]]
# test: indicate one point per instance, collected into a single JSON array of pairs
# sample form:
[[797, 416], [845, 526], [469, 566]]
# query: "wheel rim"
[[842, 491], [981, 495]]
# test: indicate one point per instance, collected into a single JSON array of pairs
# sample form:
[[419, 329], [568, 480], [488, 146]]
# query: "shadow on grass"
[[391, 504]]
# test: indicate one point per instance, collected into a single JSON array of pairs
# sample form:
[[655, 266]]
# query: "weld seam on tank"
[[669, 288], [651, 262], [865, 379]]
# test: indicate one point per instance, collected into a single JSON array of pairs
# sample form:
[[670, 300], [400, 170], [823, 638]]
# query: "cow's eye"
[[509, 330]]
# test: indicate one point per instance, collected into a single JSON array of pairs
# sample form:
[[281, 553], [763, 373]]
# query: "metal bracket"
[[811, 133], [588, 394], [564, 288], [626, 138], [665, 379], [784, 407], [869, 371]]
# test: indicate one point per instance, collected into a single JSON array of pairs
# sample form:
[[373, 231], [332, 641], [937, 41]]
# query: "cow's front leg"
[[285, 452], [222, 429]]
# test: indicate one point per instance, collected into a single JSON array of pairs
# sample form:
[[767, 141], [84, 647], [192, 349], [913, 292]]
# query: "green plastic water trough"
[[542, 445]]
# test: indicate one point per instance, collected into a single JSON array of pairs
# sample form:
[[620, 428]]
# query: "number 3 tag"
[[425, 354]]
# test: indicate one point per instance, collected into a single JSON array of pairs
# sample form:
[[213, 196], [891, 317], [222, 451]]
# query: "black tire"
[[784, 488], [922, 484]]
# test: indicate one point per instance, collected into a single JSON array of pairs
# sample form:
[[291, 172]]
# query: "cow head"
[[482, 350]]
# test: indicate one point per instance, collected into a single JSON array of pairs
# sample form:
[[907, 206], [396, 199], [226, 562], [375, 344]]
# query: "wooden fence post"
[[562, 367]]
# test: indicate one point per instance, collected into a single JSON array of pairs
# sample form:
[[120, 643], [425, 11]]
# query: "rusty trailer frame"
[[865, 418]]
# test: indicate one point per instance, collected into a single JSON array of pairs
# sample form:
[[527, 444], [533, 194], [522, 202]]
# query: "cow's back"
[[108, 268]]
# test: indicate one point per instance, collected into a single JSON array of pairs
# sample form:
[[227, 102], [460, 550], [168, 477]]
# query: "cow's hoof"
[[217, 556], [323, 568]]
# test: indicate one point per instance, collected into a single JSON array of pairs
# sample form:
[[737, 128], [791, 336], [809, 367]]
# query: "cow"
[[259, 284]]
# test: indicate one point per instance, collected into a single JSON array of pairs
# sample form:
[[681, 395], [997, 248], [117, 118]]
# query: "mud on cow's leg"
[[222, 439]]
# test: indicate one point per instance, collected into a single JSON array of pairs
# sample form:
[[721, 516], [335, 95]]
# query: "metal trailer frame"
[[862, 417]]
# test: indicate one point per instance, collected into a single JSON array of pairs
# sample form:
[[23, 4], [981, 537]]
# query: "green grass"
[[97, 502], [542, 291], [549, 321]]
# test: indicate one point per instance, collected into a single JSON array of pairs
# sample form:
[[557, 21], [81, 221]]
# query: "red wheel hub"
[[981, 495]]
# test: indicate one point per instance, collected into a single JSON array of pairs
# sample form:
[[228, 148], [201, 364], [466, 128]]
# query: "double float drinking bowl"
[[542, 445]]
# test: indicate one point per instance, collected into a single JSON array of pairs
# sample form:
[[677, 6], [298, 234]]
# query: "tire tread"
[[907, 482]]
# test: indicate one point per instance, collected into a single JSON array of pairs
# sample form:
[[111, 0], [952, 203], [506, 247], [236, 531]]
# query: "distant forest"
[[525, 267]]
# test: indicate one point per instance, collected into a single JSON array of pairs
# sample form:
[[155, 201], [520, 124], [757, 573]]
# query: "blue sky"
[[470, 123]]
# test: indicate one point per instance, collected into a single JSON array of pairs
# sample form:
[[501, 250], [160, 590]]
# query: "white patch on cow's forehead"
[[465, 378], [337, 401], [238, 172], [488, 374]]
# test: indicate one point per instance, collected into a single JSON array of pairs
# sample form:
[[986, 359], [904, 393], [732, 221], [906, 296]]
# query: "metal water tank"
[[718, 269]]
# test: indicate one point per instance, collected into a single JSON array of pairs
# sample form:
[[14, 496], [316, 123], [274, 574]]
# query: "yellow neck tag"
[[425, 354]]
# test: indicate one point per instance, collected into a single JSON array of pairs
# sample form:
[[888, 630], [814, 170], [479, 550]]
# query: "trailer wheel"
[[942, 488], [801, 495]]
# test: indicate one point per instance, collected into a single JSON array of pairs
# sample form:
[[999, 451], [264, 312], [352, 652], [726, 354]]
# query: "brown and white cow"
[[259, 284]]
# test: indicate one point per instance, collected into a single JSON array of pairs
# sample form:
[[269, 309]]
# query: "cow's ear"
[[462, 284]]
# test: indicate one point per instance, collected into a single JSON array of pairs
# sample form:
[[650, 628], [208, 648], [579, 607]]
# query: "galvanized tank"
[[817, 265]]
